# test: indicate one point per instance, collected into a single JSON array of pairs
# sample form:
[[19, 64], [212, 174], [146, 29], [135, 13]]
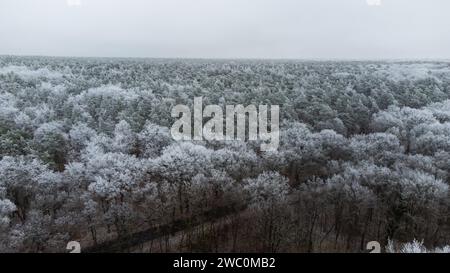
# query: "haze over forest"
[[289, 29]]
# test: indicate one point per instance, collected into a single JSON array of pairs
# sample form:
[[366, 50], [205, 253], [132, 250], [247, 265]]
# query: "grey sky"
[[306, 29]]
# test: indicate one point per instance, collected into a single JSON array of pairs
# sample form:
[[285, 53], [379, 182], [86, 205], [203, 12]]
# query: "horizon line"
[[316, 59]]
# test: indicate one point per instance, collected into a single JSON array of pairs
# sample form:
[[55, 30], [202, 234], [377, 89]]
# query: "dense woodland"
[[86, 154]]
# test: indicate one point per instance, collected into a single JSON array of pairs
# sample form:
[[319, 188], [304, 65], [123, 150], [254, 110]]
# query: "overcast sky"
[[304, 29]]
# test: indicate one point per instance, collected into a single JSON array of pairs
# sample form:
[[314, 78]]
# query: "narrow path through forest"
[[126, 243]]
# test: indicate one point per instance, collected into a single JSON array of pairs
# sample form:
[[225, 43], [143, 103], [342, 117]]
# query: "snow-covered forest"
[[86, 155]]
